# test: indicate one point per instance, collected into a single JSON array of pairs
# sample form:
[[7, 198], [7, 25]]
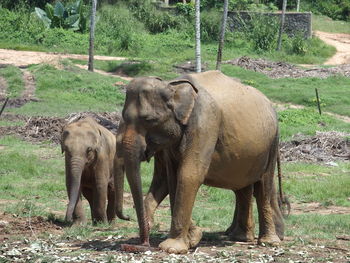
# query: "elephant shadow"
[[217, 239]]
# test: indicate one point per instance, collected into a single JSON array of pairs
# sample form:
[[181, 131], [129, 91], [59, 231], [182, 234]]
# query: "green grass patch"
[[13, 76], [307, 121], [327, 24], [5, 123], [71, 90], [333, 91], [318, 183]]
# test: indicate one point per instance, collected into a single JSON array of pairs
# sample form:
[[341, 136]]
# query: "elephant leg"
[[181, 234], [111, 206], [100, 197], [88, 194], [242, 228], [79, 217], [157, 191], [270, 216]]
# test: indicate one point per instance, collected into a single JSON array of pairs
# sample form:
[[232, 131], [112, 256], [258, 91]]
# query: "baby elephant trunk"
[[73, 180]]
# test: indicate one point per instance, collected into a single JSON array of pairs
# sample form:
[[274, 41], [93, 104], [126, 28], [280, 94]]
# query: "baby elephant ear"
[[182, 100]]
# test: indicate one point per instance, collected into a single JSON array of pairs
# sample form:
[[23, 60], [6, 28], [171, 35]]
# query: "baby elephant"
[[93, 169]]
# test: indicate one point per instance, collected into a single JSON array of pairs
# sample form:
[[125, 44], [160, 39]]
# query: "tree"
[[298, 5], [198, 36], [92, 36], [284, 5], [222, 35]]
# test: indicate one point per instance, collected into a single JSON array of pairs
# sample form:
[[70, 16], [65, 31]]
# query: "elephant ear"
[[182, 99]]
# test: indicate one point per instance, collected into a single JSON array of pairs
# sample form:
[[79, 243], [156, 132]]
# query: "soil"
[[23, 59], [342, 44]]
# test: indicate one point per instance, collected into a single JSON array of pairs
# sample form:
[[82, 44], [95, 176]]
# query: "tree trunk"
[[281, 25], [198, 37], [222, 35], [92, 36], [298, 5]]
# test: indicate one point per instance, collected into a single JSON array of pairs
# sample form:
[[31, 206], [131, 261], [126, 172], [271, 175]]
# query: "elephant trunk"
[[74, 171], [132, 157]]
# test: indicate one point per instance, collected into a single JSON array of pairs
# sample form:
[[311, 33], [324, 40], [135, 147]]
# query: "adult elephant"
[[202, 129]]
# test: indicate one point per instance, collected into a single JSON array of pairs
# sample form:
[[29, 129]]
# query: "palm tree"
[[222, 35], [198, 36], [92, 36]]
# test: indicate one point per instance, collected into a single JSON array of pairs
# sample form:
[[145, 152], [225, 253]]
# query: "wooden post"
[[3, 106], [318, 102], [298, 5], [92, 36]]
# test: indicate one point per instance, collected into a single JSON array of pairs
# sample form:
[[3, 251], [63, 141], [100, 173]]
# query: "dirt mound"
[[39, 129], [278, 70], [323, 147]]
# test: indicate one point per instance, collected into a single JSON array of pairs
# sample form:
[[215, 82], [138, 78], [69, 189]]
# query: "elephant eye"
[[89, 149]]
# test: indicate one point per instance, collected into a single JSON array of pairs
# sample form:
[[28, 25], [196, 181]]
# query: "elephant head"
[[80, 142], [155, 115]]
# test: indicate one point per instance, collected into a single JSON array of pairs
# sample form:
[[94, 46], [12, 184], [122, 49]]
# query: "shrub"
[[210, 25], [263, 31], [117, 29]]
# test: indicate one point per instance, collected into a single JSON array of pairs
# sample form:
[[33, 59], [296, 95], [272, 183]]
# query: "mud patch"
[[317, 208], [278, 70], [323, 147]]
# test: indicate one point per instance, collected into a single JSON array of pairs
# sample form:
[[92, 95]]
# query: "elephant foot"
[[271, 240], [240, 235], [194, 235], [174, 246]]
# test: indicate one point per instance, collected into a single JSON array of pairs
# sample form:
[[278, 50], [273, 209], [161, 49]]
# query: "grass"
[[333, 91], [37, 188], [307, 121], [71, 90], [13, 76], [326, 24]]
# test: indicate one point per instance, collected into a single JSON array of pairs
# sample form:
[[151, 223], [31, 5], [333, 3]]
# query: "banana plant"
[[69, 17]]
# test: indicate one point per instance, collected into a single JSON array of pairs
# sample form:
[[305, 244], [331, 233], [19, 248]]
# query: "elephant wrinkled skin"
[[203, 128], [93, 169]]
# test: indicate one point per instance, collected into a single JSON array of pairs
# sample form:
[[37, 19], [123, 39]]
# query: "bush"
[[263, 31], [210, 25], [155, 21], [117, 29]]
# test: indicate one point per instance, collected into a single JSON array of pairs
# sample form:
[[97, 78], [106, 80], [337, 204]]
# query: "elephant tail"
[[283, 201]]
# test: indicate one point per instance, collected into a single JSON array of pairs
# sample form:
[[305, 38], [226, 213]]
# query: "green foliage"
[[210, 25], [263, 31], [155, 20], [326, 24], [336, 9], [117, 29], [299, 45], [185, 9], [70, 17]]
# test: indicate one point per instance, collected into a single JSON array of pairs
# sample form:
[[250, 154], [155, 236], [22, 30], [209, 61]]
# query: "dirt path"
[[25, 58], [341, 42]]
